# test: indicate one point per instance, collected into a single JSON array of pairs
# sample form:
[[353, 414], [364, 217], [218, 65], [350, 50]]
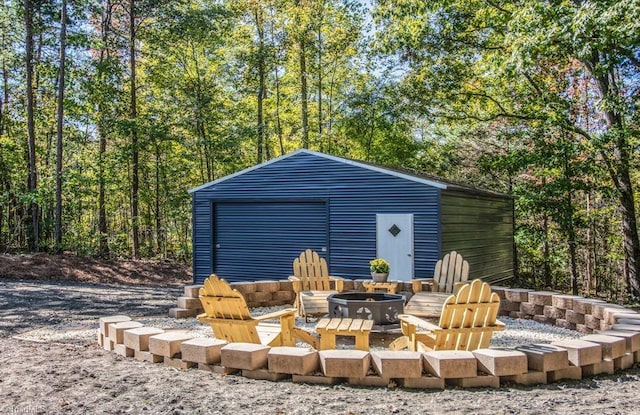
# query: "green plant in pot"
[[379, 268]]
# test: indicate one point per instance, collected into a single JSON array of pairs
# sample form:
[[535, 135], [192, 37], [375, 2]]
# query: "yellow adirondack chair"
[[451, 272], [313, 284], [226, 311], [467, 322]]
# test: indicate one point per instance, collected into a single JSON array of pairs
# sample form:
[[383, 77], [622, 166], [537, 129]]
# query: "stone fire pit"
[[382, 308]]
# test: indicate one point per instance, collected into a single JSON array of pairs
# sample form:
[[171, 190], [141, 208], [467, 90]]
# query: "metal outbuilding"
[[250, 225]]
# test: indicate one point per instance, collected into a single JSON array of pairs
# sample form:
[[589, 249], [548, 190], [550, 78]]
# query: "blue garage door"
[[259, 241]]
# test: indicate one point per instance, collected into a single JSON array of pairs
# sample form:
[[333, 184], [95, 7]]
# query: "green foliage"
[[535, 99]]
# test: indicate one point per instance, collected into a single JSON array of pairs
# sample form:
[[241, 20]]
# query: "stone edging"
[[611, 342]]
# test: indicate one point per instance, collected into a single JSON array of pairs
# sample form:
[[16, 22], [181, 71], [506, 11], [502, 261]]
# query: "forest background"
[[110, 110]]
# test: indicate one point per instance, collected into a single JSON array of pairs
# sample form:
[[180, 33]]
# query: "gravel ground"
[[49, 363]]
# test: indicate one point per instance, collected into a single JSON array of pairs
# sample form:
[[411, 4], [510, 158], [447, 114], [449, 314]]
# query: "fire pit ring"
[[382, 308]]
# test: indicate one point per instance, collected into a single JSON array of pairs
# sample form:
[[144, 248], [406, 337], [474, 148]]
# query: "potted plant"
[[379, 269]]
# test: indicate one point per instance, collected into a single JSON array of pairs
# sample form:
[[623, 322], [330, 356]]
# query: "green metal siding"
[[481, 229]]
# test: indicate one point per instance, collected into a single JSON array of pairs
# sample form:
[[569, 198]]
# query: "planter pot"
[[379, 276]]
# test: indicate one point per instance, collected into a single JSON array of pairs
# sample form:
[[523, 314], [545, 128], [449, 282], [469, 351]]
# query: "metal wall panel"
[[202, 237], [481, 229], [353, 195]]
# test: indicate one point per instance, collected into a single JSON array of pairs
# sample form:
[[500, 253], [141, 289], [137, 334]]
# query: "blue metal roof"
[[379, 169]]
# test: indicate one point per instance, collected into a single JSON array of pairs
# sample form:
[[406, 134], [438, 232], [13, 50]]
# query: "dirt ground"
[[71, 374]]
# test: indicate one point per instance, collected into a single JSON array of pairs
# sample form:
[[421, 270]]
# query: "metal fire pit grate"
[[380, 307]]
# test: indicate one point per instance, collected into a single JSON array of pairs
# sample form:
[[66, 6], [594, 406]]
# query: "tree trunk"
[[320, 79], [546, 253], [569, 215], [589, 247], [158, 216], [60, 121], [619, 171], [135, 179], [302, 63], [277, 91], [330, 110], [261, 81], [33, 234], [5, 186], [103, 231], [304, 95]]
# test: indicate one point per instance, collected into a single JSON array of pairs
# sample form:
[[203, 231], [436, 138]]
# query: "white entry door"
[[394, 242]]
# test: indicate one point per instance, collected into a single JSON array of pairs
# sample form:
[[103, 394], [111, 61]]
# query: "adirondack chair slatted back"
[[468, 318], [233, 321], [450, 270], [312, 271]]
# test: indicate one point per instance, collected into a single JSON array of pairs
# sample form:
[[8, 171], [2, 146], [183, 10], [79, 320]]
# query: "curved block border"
[[611, 342]]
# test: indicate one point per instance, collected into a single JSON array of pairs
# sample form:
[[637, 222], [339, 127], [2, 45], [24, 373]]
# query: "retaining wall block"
[[267, 286], [293, 360], [177, 312], [571, 372], [565, 324], [545, 357], [612, 347], [168, 344], [573, 317], [480, 381], [532, 377], [397, 364], [585, 306], [125, 351], [597, 309], [245, 356], [501, 362], [612, 314], [554, 313], [315, 379], [518, 295], [531, 309], [604, 366], [244, 288], [592, 322], [145, 356], [581, 352], [192, 291], [105, 321], [623, 362], [190, 303], [450, 364], [371, 381], [138, 338], [204, 350], [581, 328], [424, 382], [564, 301], [345, 363], [178, 363], [541, 297], [632, 338], [286, 285], [116, 330], [263, 374]]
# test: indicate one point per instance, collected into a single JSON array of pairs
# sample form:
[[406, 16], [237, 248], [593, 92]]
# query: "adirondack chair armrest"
[[276, 314], [418, 322], [339, 283], [297, 283], [416, 284]]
